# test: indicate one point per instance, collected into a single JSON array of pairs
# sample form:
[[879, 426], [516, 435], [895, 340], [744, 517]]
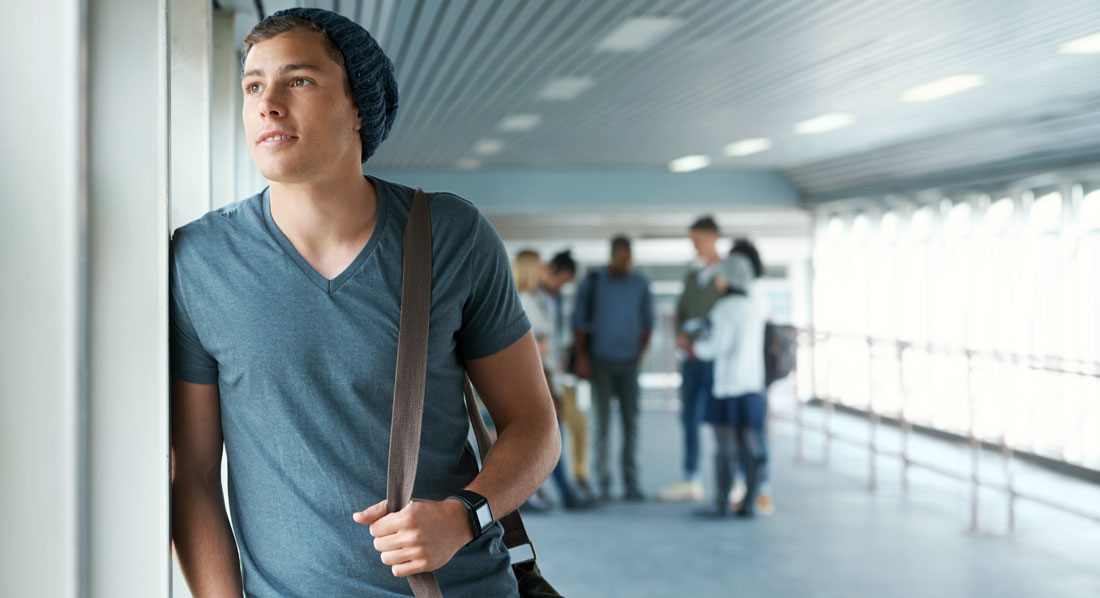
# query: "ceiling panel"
[[735, 69]]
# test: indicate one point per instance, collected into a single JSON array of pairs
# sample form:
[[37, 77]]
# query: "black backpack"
[[780, 351]]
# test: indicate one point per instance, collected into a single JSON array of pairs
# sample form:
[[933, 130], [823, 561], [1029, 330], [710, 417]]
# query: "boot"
[[723, 469], [752, 487]]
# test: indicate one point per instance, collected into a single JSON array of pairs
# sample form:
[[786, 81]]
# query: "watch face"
[[484, 518]]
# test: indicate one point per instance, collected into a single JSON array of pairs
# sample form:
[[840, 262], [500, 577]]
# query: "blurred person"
[[612, 324], [553, 276], [284, 311], [528, 272], [737, 406], [699, 295]]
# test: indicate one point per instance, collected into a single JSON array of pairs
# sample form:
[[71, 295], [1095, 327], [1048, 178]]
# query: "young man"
[[699, 295], [284, 323], [612, 324]]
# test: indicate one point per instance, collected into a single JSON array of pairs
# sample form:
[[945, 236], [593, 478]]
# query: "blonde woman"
[[525, 269]]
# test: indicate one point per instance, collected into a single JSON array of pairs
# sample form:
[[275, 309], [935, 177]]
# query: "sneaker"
[[536, 504], [764, 505], [737, 493], [681, 491], [633, 494]]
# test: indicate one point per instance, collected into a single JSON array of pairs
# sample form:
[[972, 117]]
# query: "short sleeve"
[[581, 317], [492, 316], [188, 359]]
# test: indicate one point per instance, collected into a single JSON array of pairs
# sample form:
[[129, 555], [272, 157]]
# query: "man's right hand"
[[583, 366]]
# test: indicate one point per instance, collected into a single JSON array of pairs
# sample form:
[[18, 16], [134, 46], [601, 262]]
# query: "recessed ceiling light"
[[637, 34], [824, 123], [487, 147], [942, 88], [1085, 45], [519, 122], [468, 164], [563, 89], [746, 147], [689, 163]]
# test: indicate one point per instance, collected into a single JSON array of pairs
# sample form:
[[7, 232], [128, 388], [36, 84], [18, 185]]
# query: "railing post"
[[828, 400], [903, 420], [975, 454], [872, 418]]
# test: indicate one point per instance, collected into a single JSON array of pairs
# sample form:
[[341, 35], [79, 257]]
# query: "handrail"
[[1034, 362]]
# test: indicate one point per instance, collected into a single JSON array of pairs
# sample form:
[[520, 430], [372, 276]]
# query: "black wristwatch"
[[477, 507]]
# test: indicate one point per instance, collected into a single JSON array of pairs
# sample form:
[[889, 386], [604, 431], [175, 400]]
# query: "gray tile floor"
[[830, 537]]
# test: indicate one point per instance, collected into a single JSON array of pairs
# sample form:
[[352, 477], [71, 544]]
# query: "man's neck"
[[327, 214], [710, 258]]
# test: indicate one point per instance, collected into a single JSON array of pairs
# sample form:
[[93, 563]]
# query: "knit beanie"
[[370, 73]]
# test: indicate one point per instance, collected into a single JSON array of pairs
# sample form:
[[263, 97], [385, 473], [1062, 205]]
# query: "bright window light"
[[1090, 211], [889, 225], [1046, 213], [488, 147], [958, 219], [637, 34], [1085, 45], [920, 226], [516, 123], [942, 88], [861, 226], [564, 89], [836, 227], [824, 123], [689, 163], [747, 147], [998, 217]]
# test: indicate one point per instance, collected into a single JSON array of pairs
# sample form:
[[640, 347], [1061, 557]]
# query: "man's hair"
[[620, 242], [746, 248], [525, 270], [564, 262], [280, 24], [705, 224]]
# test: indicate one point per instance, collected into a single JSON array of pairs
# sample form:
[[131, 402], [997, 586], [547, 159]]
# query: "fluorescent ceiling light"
[[519, 122], [746, 147], [942, 88], [689, 163], [468, 164], [1084, 45], [824, 123], [637, 34], [487, 147], [564, 89]]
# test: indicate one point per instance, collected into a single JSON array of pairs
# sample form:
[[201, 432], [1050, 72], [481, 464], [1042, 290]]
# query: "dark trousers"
[[616, 379]]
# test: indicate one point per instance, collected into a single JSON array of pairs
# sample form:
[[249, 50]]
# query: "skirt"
[[744, 411]]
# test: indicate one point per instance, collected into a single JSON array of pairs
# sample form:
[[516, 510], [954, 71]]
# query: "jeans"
[[619, 379], [696, 386]]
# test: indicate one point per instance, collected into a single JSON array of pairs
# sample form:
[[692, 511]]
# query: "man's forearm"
[[203, 538], [522, 458]]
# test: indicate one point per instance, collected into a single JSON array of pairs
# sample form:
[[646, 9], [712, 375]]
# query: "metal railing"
[[810, 339]]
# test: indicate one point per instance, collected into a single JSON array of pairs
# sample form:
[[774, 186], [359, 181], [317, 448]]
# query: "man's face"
[[703, 241], [556, 279], [299, 122], [621, 261]]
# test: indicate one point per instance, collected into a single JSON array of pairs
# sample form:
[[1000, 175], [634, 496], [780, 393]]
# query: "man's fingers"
[[411, 567], [391, 542], [402, 556], [371, 514]]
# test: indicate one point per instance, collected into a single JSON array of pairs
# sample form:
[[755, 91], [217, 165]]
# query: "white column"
[[41, 336], [191, 116], [127, 255]]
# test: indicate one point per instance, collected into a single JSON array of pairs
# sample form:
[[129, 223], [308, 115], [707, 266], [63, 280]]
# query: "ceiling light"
[[637, 34], [746, 147], [468, 164], [564, 89], [942, 88], [824, 123], [689, 163], [1084, 45], [519, 122], [487, 147]]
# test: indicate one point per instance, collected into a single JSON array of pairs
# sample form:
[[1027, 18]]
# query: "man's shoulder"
[[217, 226], [447, 209]]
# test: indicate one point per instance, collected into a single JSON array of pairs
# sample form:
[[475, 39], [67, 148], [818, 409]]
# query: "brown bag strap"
[[411, 381], [412, 364]]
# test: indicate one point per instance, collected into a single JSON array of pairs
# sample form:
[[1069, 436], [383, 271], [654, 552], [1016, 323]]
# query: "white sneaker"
[[737, 493], [681, 491]]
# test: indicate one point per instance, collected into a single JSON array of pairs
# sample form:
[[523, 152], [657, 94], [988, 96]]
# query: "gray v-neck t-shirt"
[[305, 369]]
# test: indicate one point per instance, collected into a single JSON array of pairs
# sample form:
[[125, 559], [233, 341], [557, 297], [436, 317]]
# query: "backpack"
[[780, 351]]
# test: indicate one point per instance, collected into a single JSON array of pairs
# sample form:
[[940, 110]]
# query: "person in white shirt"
[[737, 407]]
